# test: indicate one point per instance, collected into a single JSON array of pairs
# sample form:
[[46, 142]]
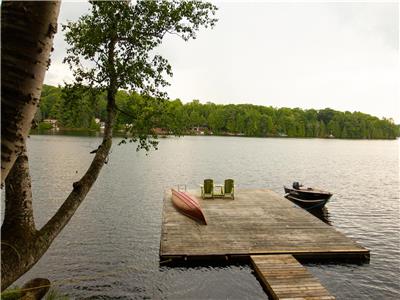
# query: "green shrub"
[[44, 126], [11, 294]]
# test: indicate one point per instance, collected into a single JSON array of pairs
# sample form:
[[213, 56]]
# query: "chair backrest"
[[208, 186], [228, 186]]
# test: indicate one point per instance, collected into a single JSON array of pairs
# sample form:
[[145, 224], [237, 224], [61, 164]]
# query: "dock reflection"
[[322, 214]]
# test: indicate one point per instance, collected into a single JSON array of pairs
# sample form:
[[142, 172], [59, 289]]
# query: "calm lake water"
[[109, 250]]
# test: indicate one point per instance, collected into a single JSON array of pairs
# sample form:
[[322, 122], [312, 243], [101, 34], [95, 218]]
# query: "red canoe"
[[188, 205]]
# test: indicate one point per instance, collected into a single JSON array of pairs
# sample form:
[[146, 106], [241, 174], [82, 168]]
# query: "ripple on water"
[[110, 247]]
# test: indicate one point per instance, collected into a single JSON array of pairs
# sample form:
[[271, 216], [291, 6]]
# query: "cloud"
[[57, 74], [309, 55]]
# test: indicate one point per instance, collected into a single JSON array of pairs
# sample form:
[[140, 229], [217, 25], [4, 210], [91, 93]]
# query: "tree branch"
[[124, 112], [21, 252], [81, 187]]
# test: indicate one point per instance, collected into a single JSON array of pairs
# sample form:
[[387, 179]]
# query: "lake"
[[109, 250]]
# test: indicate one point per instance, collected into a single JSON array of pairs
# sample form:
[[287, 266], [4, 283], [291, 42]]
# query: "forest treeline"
[[76, 109]]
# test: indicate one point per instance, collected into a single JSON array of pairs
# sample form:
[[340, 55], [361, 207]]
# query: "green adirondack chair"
[[229, 188], [207, 189]]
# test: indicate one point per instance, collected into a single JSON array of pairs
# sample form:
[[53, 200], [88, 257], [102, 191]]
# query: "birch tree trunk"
[[22, 245], [27, 30]]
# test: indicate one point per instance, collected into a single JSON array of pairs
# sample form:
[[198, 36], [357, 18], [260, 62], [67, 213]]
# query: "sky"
[[343, 55]]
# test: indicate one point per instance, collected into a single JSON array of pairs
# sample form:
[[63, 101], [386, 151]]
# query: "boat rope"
[[75, 280]]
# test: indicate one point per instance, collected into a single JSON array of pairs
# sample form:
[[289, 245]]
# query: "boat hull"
[[307, 204], [307, 198], [188, 205], [308, 194]]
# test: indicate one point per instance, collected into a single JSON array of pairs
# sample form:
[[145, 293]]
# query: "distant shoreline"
[[97, 133]]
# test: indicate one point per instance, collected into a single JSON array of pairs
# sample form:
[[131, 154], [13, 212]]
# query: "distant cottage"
[[159, 131]]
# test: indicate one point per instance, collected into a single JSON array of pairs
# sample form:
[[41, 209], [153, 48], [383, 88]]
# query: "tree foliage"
[[132, 31], [145, 113], [113, 49]]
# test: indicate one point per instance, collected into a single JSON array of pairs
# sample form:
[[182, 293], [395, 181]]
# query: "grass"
[[11, 294], [53, 294]]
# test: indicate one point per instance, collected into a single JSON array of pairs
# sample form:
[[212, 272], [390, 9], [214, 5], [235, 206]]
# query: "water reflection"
[[322, 214], [62, 132], [118, 226], [76, 132]]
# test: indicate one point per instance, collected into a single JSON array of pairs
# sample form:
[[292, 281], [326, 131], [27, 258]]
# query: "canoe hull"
[[188, 205]]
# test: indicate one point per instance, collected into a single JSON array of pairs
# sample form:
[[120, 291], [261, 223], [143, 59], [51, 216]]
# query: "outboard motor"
[[296, 185]]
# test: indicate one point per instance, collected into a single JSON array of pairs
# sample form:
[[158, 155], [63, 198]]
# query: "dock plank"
[[285, 278], [258, 221]]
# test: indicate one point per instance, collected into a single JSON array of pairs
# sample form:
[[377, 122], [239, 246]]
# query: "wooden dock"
[[257, 224], [285, 278], [258, 221]]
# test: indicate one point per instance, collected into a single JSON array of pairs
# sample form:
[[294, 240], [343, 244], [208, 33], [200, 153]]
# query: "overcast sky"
[[311, 55]]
